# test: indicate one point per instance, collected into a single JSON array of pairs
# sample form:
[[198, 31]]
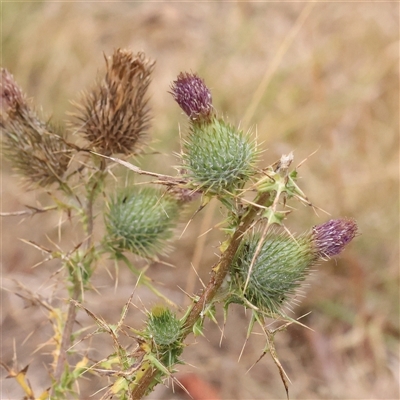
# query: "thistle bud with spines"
[[163, 327], [163, 334], [140, 221], [217, 157], [283, 263]]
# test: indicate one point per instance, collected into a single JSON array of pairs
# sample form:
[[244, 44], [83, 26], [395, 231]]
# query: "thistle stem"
[[219, 273], [76, 292], [221, 269], [67, 332]]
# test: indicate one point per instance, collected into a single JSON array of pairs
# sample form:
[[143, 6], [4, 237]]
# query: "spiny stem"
[[218, 275], [221, 269], [67, 332]]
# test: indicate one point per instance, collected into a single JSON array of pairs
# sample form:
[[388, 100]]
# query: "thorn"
[[302, 162]]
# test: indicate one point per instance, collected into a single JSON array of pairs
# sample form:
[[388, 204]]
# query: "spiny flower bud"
[[331, 237], [280, 266], [140, 221], [163, 327], [114, 116], [218, 157], [193, 96], [35, 148], [283, 263]]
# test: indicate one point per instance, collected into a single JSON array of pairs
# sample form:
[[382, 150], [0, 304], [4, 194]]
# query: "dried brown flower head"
[[35, 148], [114, 116]]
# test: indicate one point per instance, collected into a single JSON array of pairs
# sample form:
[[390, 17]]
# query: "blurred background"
[[305, 77]]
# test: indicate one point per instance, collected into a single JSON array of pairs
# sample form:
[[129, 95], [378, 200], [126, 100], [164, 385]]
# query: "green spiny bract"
[[164, 331], [282, 264], [140, 221], [163, 327], [218, 157]]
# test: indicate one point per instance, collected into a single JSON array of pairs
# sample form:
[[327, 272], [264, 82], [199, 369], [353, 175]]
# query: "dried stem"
[[30, 212], [77, 290]]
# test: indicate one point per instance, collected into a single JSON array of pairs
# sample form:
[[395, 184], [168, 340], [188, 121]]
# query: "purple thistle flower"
[[193, 96], [331, 237]]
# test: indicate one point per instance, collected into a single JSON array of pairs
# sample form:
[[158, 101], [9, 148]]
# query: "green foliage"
[[80, 267]]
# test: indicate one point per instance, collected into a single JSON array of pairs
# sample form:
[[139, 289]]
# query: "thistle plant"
[[261, 265]]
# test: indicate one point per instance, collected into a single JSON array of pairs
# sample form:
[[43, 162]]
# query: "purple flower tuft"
[[331, 237], [11, 96], [193, 96]]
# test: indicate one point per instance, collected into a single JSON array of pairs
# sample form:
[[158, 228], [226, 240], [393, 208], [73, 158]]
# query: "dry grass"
[[330, 86]]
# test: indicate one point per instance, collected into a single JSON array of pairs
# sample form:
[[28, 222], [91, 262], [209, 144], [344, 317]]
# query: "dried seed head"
[[35, 148], [193, 96], [114, 116], [331, 237]]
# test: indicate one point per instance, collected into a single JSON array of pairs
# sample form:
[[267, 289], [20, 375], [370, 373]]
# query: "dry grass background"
[[305, 77]]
